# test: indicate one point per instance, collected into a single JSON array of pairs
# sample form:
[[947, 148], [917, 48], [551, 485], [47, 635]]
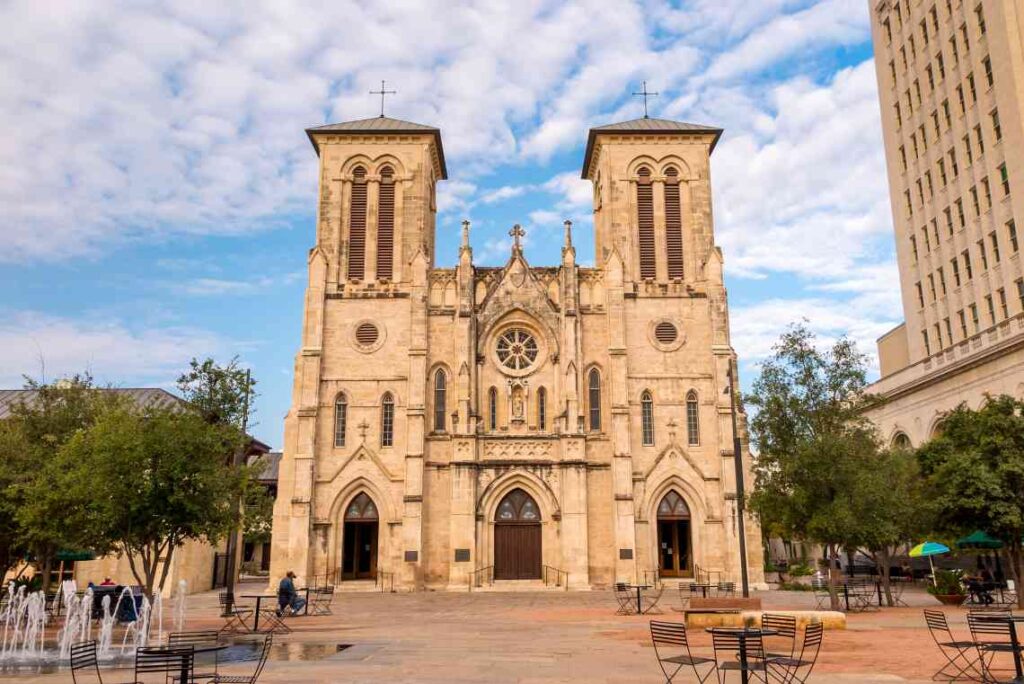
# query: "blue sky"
[[157, 191]]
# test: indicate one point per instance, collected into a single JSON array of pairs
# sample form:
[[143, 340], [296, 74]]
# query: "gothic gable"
[[517, 287]]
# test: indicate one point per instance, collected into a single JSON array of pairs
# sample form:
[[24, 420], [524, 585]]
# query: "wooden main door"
[[517, 538], [674, 551], [359, 537]]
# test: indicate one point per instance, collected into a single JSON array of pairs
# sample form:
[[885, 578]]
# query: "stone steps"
[[517, 585]]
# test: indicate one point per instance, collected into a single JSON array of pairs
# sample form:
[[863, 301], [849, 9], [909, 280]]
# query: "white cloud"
[[203, 287], [40, 346]]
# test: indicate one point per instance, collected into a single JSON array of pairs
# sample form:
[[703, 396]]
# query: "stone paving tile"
[[543, 638]]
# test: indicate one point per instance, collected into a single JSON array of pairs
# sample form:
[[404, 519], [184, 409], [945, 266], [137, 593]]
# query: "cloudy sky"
[[157, 191]]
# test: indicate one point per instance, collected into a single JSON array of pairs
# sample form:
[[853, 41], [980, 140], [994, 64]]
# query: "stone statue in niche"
[[518, 410]]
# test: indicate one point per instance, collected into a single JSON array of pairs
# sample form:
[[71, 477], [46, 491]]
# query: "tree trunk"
[[47, 566], [832, 552], [1013, 554], [883, 559]]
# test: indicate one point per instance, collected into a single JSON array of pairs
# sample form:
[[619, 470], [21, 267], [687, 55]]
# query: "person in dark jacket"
[[287, 596]]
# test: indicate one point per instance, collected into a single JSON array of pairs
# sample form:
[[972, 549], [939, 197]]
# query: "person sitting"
[[287, 596], [978, 591], [107, 582]]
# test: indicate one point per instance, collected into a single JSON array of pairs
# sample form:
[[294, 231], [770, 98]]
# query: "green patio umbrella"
[[978, 539], [929, 549]]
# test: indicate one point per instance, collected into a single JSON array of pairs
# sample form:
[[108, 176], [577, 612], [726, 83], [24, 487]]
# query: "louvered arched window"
[[673, 224], [492, 408], [645, 222], [386, 224], [542, 409], [647, 418], [692, 419], [357, 226], [594, 399], [387, 420], [440, 400], [340, 420]]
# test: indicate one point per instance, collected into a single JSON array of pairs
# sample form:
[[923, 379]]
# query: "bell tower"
[[378, 181], [652, 197]]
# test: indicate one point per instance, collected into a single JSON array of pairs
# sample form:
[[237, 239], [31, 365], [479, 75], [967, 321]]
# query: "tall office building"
[[950, 81]]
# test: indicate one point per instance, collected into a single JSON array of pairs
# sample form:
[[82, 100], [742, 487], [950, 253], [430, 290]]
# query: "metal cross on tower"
[[382, 93], [646, 94]]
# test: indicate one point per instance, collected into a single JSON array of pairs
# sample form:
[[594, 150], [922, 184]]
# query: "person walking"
[[287, 596]]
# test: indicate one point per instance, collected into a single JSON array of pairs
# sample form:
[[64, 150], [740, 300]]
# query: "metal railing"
[[478, 577], [652, 577], [555, 576], [385, 581]]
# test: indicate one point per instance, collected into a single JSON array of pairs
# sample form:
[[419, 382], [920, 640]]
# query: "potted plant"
[[948, 587]]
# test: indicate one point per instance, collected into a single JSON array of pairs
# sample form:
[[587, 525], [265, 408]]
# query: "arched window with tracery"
[[340, 419], [386, 224], [692, 419], [387, 420], [492, 408], [440, 400], [901, 441], [517, 506], [361, 508], [542, 409], [357, 226], [645, 222], [673, 224], [647, 418], [594, 399]]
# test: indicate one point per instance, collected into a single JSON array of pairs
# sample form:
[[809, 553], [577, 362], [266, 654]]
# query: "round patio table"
[[742, 634], [638, 588], [704, 588], [1015, 644]]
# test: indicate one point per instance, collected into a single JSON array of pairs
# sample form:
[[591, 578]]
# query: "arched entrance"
[[517, 537], [675, 557], [359, 553]]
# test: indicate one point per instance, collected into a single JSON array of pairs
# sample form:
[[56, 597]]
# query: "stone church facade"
[[454, 423]]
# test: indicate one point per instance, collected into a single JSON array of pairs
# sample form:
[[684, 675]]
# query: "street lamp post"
[[738, 462]]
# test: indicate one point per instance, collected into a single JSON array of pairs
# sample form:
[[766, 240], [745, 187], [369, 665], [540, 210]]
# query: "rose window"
[[517, 349]]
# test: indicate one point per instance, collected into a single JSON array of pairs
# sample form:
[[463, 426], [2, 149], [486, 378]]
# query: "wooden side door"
[[517, 551]]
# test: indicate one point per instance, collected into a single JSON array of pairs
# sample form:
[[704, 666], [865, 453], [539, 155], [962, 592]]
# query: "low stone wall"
[[829, 618]]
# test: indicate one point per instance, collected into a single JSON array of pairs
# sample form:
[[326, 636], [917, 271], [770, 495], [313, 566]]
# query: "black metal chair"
[[822, 597], [321, 600], [785, 625], [197, 638], [672, 650], [726, 589], [172, 663], [992, 637], [268, 641], [798, 669], [83, 660], [962, 659], [651, 598], [625, 598], [736, 653], [236, 618]]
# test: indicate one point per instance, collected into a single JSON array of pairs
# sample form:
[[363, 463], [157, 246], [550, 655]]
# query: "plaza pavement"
[[541, 637]]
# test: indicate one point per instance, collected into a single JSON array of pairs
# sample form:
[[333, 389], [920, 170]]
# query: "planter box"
[[950, 599]]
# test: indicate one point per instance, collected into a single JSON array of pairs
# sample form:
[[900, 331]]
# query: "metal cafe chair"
[[173, 663], [625, 599], [268, 641], [785, 625], [992, 637], [962, 658], [726, 589], [197, 638], [729, 646], [83, 660], [798, 670], [236, 618], [322, 599], [672, 650], [651, 598]]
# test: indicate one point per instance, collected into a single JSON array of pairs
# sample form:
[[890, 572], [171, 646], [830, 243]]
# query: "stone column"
[[462, 522], [575, 532]]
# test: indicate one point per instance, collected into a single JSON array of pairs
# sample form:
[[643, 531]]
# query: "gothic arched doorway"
[[674, 549], [517, 537], [359, 552]]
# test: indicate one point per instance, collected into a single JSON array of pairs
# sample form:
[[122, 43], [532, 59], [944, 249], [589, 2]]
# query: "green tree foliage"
[[145, 481], [818, 462], [222, 394], [975, 469]]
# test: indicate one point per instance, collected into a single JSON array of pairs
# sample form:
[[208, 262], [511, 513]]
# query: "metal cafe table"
[[742, 634], [259, 600], [704, 588], [187, 664], [639, 588], [1015, 645]]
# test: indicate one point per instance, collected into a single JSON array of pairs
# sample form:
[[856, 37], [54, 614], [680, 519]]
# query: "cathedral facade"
[[456, 425]]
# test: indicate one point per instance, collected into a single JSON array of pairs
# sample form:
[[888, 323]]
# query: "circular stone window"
[[517, 349], [367, 336], [666, 334]]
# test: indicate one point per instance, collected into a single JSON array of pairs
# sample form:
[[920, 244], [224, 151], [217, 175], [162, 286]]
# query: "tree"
[[145, 481], [975, 468], [222, 394], [813, 443]]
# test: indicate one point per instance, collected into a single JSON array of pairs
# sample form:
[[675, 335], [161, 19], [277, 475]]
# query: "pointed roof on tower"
[[379, 124], [645, 126]]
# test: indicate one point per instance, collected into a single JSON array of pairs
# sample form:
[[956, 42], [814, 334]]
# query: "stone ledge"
[[829, 618]]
